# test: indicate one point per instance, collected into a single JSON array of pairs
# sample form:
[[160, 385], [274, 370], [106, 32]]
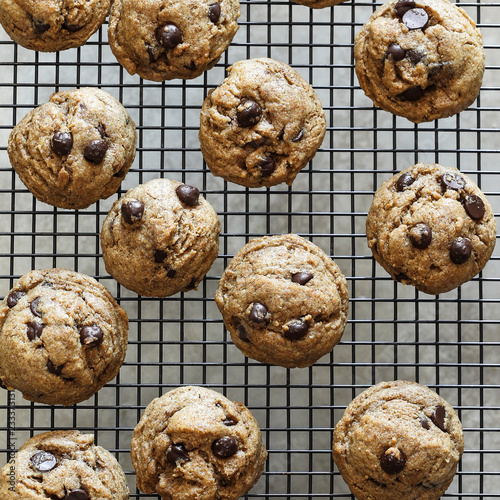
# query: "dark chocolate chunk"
[[43, 461], [299, 136], [400, 277], [34, 330], [189, 195], [14, 297], [2, 385], [258, 313], [191, 66], [169, 36], [91, 335], [413, 93], [393, 461], [296, 330], [414, 56], [225, 447], [34, 307], [302, 278], [214, 12], [56, 370], [152, 53], [160, 255], [177, 453], [132, 211], [40, 27], [403, 6], [396, 51], [120, 173], [62, 142], [474, 206], [78, 494], [438, 417], [267, 166], [229, 421], [415, 19], [171, 273], [95, 151], [404, 181], [102, 131], [425, 423], [452, 181], [248, 113], [72, 28], [242, 333], [460, 250], [421, 235]]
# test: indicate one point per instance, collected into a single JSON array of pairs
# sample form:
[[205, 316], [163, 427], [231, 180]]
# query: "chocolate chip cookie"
[[193, 442], [63, 465], [164, 39], [430, 226], [62, 337], [75, 149], [318, 4], [52, 25], [160, 238], [398, 440], [283, 300], [262, 125], [420, 59]]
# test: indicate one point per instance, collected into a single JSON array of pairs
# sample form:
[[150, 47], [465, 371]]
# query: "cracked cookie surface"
[[52, 25], [63, 329], [430, 226], [75, 149], [160, 238], [64, 465], [420, 59], [192, 442], [262, 125], [398, 440], [283, 300], [165, 39]]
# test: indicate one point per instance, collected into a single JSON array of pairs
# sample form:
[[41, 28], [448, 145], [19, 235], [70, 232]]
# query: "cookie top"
[[262, 125], [398, 440], [160, 238], [283, 300], [52, 25], [420, 59], [64, 465], [164, 39], [65, 331], [430, 226], [75, 149], [193, 442], [318, 4]]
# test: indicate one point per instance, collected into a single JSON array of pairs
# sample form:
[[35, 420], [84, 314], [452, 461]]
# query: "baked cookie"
[[420, 59], [262, 125], [430, 226], [398, 440], [283, 300], [318, 4], [193, 442], [164, 39], [64, 465], [160, 238], [62, 337], [52, 25], [75, 149]]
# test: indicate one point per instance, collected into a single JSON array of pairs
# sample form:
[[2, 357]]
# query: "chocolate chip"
[[2, 385], [34, 307], [400, 277], [214, 12], [177, 453], [72, 28], [302, 278], [95, 151], [102, 131], [474, 206], [192, 285], [225, 447], [421, 235], [56, 370], [78, 494], [160, 255], [14, 297], [415, 19], [396, 51], [34, 330], [414, 56], [242, 333], [296, 330], [62, 142], [258, 313], [438, 416], [404, 181], [299, 136], [229, 422], [425, 423], [191, 66], [40, 27], [120, 173], [169, 36], [171, 273], [189, 195], [91, 335], [43, 461], [413, 93], [132, 211], [460, 250], [452, 181], [267, 166], [152, 53], [393, 461], [248, 113], [403, 6]]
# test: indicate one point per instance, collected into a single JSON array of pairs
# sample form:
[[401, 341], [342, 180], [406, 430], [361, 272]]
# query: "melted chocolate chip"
[[414, 56], [56, 370], [415, 19], [177, 453], [299, 136], [160, 255], [413, 93], [404, 181], [72, 28], [78, 494], [34, 307], [302, 278], [120, 173], [171, 273], [396, 52], [258, 313], [14, 297], [132, 211], [248, 113], [169, 36], [451, 180], [225, 447], [474, 206], [296, 330], [214, 12], [43, 461], [189, 195], [40, 27], [91, 335], [425, 423], [421, 235], [393, 461], [34, 330], [438, 417], [229, 422], [95, 151], [460, 250], [403, 6], [242, 333], [62, 142], [267, 166]]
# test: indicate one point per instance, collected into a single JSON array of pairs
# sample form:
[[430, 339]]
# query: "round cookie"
[[318, 4], [398, 440], [420, 59], [262, 125], [75, 149], [283, 300], [165, 39], [64, 465], [430, 226], [160, 238], [193, 442], [62, 337], [52, 25]]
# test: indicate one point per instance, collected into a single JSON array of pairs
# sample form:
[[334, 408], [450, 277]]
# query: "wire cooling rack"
[[450, 343]]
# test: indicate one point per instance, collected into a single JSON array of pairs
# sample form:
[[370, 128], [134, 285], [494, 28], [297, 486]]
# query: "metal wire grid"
[[448, 343]]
